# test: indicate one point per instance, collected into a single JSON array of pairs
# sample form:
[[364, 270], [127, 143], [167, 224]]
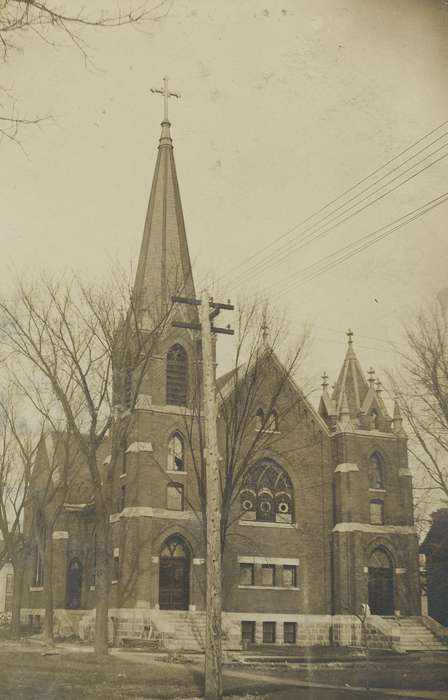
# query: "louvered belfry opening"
[[176, 376]]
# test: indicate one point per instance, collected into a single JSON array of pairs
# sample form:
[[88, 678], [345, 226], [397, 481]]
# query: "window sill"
[[270, 588], [34, 589], [260, 523], [175, 471], [377, 490], [116, 581], [91, 588]]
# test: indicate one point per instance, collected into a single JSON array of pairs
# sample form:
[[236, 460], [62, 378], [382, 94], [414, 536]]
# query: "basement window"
[[268, 632]]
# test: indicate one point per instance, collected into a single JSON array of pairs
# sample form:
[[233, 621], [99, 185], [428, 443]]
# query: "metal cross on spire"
[[166, 95]]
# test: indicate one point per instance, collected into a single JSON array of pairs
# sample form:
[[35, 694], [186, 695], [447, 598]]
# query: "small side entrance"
[[74, 584], [174, 575], [381, 584]]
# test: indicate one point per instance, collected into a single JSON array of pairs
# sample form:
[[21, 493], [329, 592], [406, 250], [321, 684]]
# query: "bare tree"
[[256, 394], [422, 392], [17, 452], [89, 348], [52, 22]]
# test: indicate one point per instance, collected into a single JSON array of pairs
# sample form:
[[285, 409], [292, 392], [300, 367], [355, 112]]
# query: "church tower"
[[156, 533], [375, 550]]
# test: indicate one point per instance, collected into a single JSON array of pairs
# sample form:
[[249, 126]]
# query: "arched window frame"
[[176, 374], [267, 494], [176, 458], [374, 419], [259, 419], [265, 421], [376, 471]]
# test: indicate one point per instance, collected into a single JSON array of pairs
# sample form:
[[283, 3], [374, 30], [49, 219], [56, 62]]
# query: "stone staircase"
[[415, 635], [182, 630]]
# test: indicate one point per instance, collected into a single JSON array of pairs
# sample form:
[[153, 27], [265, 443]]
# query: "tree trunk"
[[17, 597], [102, 584], [48, 590]]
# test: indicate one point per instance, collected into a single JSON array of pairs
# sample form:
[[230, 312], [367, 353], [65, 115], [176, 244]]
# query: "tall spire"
[[164, 266]]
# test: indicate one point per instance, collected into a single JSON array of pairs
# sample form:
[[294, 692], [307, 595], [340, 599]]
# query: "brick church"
[[323, 521]]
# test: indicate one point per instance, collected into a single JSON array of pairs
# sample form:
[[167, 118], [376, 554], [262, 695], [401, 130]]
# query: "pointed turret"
[[351, 383], [164, 266], [327, 407], [398, 420]]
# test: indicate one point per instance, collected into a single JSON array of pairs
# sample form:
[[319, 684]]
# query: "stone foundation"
[[186, 629]]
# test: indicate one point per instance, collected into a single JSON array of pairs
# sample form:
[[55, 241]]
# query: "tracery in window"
[[267, 494], [176, 376], [176, 459]]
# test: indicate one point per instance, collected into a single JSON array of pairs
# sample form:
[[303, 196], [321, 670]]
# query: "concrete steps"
[[181, 629], [415, 636]]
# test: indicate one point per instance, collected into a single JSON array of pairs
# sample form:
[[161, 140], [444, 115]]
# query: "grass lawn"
[[419, 672], [27, 674]]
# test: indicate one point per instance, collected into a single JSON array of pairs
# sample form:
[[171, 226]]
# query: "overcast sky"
[[285, 104]]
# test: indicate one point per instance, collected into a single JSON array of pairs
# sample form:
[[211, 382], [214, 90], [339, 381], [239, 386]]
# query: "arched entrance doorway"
[[174, 575], [381, 583], [74, 584]]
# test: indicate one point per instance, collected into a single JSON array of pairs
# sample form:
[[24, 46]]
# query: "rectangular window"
[[9, 590], [268, 575], [290, 576], [124, 465], [289, 632], [268, 632], [38, 580], [116, 569], [376, 513], [247, 574], [122, 503], [248, 631], [175, 497]]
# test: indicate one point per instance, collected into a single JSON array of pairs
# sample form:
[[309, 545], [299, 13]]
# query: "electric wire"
[[251, 257], [350, 250], [321, 232]]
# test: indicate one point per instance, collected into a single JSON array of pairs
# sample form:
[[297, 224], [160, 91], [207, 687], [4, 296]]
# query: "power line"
[[339, 197], [363, 243], [312, 236]]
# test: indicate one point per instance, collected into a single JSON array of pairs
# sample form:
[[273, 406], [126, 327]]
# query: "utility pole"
[[208, 310]]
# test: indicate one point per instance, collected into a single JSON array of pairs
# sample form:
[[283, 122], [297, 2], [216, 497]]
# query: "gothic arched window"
[[176, 376], [176, 457], [376, 472], [272, 422], [259, 419], [267, 494]]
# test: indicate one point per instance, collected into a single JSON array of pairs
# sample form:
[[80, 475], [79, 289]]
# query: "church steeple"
[[351, 384], [164, 266]]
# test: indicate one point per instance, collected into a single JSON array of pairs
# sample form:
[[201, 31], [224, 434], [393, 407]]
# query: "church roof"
[[164, 266], [351, 386]]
